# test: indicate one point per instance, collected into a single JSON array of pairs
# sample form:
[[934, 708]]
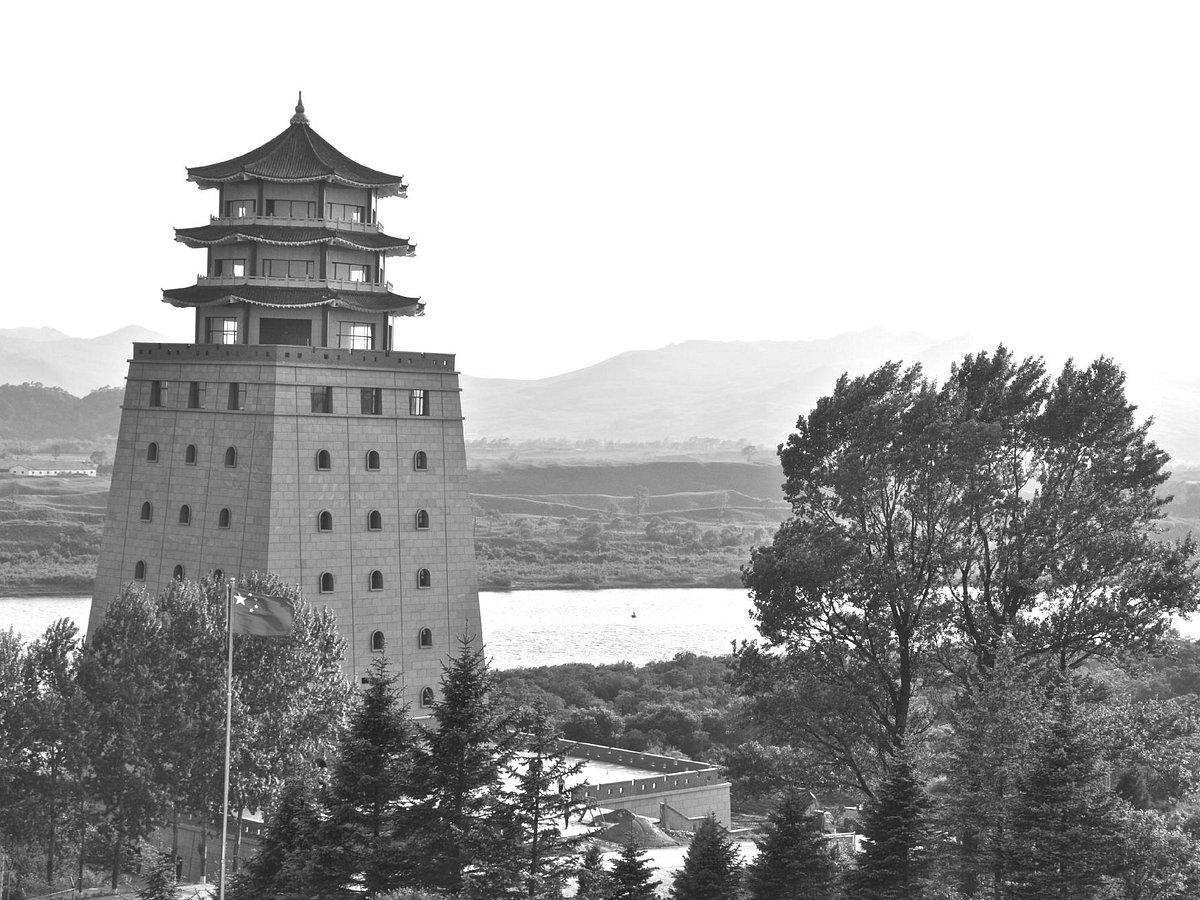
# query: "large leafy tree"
[[120, 674], [851, 585], [794, 861], [56, 715], [1054, 507], [711, 869], [930, 521]]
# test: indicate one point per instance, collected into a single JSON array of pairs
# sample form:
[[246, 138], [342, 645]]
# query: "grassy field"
[[664, 523], [50, 530]]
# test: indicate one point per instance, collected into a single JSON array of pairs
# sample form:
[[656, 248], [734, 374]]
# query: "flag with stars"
[[266, 616]]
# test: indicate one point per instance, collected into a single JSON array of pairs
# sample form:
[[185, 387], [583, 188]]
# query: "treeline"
[[610, 550], [34, 412]]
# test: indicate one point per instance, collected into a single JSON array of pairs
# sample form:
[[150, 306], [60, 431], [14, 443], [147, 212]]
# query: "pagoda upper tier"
[[296, 156], [295, 231]]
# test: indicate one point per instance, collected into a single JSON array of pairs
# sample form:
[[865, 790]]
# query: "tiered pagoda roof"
[[294, 236], [295, 297], [295, 156]]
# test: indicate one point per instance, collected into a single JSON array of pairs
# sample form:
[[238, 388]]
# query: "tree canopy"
[[929, 521]]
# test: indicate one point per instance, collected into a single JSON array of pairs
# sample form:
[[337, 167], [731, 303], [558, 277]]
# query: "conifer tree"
[[159, 870], [711, 869], [1067, 821], [293, 834], [994, 728], [369, 801], [630, 875], [465, 821], [794, 860], [544, 799], [896, 859], [594, 882]]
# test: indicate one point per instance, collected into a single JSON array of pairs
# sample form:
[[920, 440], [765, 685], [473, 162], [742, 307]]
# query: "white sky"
[[592, 178]]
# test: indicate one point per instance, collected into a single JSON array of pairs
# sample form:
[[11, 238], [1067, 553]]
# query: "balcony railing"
[[337, 224], [337, 284]]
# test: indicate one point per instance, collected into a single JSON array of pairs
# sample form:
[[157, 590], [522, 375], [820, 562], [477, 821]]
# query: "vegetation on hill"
[[34, 412]]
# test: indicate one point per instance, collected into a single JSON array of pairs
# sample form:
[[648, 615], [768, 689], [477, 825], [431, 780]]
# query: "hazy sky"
[[592, 178]]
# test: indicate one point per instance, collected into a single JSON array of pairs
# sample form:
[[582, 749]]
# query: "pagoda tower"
[[291, 436]]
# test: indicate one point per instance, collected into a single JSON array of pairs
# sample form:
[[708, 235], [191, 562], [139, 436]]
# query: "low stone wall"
[[191, 839], [693, 789]]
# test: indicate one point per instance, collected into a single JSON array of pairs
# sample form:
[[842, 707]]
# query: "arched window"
[[189, 455], [152, 452], [424, 579], [147, 512], [422, 519], [325, 521], [185, 515], [427, 697], [219, 574], [326, 582], [139, 571], [372, 460], [374, 520], [376, 641], [178, 573], [223, 518], [420, 461], [425, 639], [324, 461], [231, 457], [376, 580]]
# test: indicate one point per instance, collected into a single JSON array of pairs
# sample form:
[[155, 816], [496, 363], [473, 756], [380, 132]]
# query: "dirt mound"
[[624, 826]]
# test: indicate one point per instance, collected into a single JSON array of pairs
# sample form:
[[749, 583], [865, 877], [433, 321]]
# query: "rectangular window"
[[418, 403], [237, 395], [288, 268], [196, 395], [372, 401], [239, 209], [291, 209], [322, 399], [158, 393], [229, 268], [351, 272], [345, 212], [222, 330], [356, 335]]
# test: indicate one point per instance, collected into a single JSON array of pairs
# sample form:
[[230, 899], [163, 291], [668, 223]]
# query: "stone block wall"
[[275, 491]]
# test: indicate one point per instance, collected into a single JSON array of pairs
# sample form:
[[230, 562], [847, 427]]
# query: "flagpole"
[[228, 728]]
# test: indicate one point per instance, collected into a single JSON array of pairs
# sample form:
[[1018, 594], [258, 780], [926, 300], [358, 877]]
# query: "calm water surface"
[[538, 628]]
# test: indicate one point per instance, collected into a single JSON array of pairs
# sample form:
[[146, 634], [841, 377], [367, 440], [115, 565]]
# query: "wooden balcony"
[[335, 284], [336, 224]]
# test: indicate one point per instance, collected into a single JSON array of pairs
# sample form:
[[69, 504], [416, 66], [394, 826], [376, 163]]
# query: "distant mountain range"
[[724, 389], [77, 365]]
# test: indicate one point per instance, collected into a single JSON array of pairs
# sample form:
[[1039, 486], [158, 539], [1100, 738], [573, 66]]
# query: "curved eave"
[[201, 295], [392, 189], [297, 155], [282, 236]]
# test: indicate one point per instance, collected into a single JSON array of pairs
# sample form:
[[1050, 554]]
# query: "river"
[[539, 628]]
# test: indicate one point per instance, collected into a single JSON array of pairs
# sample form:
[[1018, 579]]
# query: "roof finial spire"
[[299, 118]]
